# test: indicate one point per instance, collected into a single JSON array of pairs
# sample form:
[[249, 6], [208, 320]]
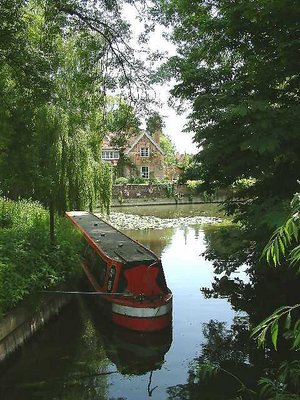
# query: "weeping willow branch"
[[105, 187]]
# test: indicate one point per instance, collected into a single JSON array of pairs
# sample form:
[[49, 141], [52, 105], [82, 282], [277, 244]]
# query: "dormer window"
[[144, 152]]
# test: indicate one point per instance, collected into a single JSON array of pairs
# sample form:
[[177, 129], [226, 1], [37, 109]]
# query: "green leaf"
[[288, 321], [267, 386], [295, 231], [282, 248], [296, 344], [274, 333], [262, 337], [297, 327]]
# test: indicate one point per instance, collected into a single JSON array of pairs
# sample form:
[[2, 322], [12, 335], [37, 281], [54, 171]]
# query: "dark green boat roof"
[[110, 241]]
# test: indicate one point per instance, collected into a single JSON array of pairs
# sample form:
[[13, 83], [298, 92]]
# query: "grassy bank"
[[28, 262]]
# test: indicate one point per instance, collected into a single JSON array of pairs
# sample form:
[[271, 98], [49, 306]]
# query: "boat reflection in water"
[[133, 353], [136, 353]]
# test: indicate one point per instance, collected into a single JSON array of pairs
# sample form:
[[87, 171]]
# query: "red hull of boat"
[[143, 324]]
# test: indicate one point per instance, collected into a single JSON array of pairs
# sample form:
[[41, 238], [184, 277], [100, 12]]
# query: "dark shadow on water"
[[73, 356], [230, 348]]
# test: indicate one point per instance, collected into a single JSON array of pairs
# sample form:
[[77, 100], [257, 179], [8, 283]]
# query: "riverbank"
[[26, 319]]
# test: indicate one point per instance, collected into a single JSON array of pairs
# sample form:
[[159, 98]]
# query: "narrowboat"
[[127, 276]]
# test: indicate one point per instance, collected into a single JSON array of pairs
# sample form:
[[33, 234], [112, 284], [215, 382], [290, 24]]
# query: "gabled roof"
[[144, 133]]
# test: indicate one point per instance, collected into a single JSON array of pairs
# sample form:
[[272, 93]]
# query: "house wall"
[[155, 161]]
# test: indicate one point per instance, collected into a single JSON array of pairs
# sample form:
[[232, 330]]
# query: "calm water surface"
[[81, 356]]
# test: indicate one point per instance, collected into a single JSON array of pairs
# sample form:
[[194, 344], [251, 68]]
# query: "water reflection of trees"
[[231, 348], [265, 289], [228, 248], [155, 239], [64, 361]]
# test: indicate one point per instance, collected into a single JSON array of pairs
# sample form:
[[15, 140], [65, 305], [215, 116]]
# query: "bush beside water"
[[28, 261]]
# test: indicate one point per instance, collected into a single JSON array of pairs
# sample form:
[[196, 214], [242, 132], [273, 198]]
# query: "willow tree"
[[67, 133], [57, 61]]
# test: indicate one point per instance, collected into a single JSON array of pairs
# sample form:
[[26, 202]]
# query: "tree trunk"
[[51, 226]]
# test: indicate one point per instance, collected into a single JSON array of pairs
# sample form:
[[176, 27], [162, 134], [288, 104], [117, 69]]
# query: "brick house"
[[142, 156]]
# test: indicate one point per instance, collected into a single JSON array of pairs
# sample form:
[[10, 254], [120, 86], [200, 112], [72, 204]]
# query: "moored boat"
[[128, 277]]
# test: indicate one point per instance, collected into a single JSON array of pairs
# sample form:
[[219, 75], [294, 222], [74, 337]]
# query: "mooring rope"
[[86, 293]]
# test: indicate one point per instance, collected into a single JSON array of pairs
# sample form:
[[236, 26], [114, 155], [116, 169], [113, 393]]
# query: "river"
[[79, 355]]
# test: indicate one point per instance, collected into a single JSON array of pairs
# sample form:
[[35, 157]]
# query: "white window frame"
[[145, 171], [144, 151], [110, 154]]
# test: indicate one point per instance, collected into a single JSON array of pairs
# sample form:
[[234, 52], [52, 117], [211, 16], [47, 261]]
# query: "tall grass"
[[28, 261]]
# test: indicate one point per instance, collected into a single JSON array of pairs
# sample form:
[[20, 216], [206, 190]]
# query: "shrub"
[[121, 180], [155, 181], [243, 184], [137, 180], [194, 186], [28, 262], [170, 189]]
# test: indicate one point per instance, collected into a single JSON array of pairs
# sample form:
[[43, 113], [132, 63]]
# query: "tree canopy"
[[238, 67], [58, 61], [154, 123]]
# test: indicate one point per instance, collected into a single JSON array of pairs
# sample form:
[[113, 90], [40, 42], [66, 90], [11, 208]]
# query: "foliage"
[[137, 180], [53, 106], [277, 388], [236, 67], [242, 185], [28, 262], [285, 236], [226, 348], [169, 189], [105, 185], [194, 186], [168, 149], [208, 370], [190, 169], [289, 372], [120, 121], [121, 181], [265, 291], [271, 323], [154, 123]]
